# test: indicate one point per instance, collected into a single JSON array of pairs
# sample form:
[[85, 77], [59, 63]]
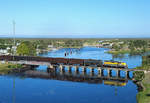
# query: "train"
[[66, 61]]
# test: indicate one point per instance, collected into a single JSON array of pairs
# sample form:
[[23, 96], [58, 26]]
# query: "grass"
[[6, 67], [122, 51], [144, 96], [118, 52], [145, 67]]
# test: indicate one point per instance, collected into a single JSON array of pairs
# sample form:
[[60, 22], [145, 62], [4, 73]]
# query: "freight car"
[[91, 62], [58, 61], [76, 62]]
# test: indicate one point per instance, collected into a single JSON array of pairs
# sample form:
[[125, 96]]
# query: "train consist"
[[66, 61]]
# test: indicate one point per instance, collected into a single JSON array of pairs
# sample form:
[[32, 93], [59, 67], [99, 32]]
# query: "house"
[[4, 52], [50, 46]]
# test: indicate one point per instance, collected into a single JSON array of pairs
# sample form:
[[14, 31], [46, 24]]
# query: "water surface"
[[21, 89]]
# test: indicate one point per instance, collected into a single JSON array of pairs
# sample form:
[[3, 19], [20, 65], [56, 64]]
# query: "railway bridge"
[[69, 63]]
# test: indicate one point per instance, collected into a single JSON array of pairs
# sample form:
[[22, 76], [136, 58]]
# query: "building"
[[4, 52]]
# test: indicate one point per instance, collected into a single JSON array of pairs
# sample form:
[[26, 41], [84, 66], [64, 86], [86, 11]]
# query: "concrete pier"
[[62, 68], [69, 69], [128, 74], [110, 73], [118, 73], [76, 69], [53, 68], [99, 71], [102, 72], [84, 69], [92, 69]]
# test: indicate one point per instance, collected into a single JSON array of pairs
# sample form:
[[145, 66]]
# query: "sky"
[[75, 18]]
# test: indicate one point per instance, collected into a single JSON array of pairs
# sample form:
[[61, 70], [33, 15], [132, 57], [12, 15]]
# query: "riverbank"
[[5, 68], [127, 51], [144, 95], [118, 52]]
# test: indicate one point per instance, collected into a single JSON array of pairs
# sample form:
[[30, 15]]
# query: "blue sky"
[[100, 18]]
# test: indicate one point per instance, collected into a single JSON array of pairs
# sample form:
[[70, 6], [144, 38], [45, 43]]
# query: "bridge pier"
[[48, 70], [61, 72], [118, 73], [76, 68], [51, 68], [92, 69], [99, 72], [128, 74], [91, 73], [69, 69], [110, 73], [102, 72], [84, 69], [62, 68]]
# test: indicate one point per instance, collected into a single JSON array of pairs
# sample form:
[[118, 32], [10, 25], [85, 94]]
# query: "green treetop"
[[26, 49]]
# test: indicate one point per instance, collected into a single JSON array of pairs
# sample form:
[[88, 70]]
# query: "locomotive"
[[117, 64], [67, 61]]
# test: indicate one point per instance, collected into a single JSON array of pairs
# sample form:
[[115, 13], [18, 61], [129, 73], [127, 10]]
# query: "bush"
[[139, 75]]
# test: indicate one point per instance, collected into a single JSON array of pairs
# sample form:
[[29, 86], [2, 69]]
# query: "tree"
[[23, 49], [116, 47], [139, 75], [26, 49]]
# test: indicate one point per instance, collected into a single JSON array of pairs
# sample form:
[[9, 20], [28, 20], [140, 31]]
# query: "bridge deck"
[[84, 63]]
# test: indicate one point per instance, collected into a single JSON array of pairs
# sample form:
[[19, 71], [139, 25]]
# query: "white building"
[[50, 46], [4, 51]]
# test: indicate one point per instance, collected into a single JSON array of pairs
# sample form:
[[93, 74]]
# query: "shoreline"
[[117, 52], [143, 96], [114, 52], [7, 68]]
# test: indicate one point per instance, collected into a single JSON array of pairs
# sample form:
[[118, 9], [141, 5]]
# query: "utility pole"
[[14, 31], [14, 50]]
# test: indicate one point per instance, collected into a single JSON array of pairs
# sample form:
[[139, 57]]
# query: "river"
[[22, 89]]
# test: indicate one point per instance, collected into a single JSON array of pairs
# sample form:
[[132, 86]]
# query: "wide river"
[[23, 89]]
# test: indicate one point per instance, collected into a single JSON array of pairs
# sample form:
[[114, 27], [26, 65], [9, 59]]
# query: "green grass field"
[[144, 96], [6, 67]]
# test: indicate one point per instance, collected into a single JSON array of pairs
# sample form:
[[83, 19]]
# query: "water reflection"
[[75, 77]]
